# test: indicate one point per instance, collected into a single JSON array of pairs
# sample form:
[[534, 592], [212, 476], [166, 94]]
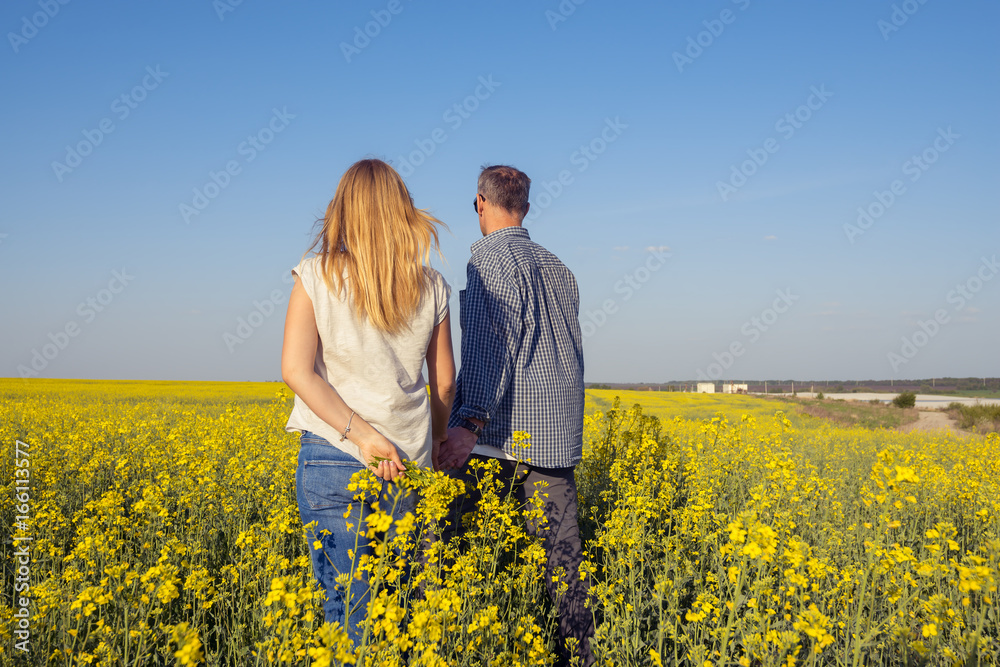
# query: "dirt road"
[[933, 421]]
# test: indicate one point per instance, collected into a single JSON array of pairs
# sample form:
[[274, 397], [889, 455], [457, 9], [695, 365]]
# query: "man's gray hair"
[[506, 187]]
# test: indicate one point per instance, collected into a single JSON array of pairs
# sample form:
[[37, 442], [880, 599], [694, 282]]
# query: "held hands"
[[449, 451], [455, 451], [436, 452]]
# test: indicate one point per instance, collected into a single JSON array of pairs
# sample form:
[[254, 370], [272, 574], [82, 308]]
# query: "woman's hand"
[[387, 465]]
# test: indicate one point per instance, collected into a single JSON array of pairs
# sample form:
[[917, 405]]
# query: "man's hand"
[[455, 451]]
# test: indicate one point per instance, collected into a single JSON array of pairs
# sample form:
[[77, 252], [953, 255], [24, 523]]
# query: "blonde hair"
[[374, 240]]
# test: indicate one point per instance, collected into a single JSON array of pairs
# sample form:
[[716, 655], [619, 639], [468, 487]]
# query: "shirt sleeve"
[[442, 292], [303, 271], [491, 336]]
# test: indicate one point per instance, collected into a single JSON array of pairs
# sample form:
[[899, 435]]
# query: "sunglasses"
[[475, 203]]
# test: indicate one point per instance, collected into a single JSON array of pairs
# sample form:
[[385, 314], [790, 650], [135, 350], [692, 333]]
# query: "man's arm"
[[490, 340], [491, 336]]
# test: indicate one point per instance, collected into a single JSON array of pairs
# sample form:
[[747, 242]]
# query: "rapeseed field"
[[162, 528]]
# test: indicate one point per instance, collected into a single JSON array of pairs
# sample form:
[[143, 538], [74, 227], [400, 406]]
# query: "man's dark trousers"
[[561, 539]]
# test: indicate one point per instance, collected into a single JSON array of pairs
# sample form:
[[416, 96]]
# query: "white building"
[[706, 388], [733, 388]]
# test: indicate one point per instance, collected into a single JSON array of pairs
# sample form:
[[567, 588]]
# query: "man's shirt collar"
[[501, 235]]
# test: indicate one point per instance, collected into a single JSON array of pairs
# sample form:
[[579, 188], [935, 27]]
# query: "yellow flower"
[[814, 624]]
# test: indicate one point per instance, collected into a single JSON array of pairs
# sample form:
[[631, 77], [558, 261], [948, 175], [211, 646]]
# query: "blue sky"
[[164, 164]]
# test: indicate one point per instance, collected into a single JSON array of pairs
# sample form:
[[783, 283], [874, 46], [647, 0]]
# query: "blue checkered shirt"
[[522, 352]]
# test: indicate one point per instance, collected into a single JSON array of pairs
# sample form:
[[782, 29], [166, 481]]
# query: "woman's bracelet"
[[348, 429]]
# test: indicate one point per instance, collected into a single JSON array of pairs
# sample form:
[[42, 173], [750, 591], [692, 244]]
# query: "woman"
[[364, 314]]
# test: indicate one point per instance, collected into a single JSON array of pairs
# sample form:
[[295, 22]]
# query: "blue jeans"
[[321, 487]]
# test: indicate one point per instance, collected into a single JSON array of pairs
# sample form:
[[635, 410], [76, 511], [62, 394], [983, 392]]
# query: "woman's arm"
[[441, 380], [298, 359]]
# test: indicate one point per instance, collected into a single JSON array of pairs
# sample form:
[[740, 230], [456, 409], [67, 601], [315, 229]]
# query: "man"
[[522, 370]]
